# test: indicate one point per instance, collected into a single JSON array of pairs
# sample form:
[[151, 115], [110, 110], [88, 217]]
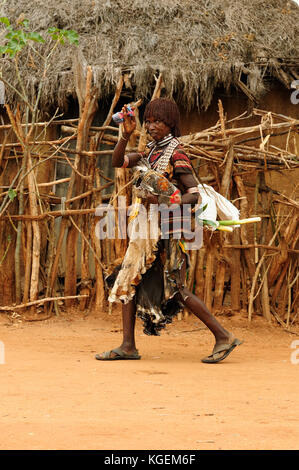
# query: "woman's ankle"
[[128, 346]]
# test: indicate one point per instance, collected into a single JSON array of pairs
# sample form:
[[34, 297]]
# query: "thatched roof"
[[197, 44]]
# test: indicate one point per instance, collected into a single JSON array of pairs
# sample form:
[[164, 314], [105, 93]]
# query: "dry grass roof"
[[198, 45]]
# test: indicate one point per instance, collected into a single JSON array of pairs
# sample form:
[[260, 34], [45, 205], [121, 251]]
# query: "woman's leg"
[[128, 345], [225, 341], [128, 317], [199, 308]]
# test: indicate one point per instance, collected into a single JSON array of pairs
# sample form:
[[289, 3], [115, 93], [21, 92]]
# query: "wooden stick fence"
[[251, 271]]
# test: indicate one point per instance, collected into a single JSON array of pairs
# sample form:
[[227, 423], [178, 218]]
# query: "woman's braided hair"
[[165, 110]]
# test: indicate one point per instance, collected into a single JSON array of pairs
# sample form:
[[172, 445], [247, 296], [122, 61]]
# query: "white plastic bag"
[[217, 205]]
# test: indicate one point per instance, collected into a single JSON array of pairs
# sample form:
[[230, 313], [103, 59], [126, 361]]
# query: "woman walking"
[[151, 280]]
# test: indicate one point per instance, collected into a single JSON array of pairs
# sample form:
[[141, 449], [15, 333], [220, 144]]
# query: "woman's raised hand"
[[129, 122]]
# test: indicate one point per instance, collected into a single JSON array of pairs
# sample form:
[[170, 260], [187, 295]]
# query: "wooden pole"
[[248, 253], [235, 273], [222, 253], [96, 242], [88, 107], [264, 228]]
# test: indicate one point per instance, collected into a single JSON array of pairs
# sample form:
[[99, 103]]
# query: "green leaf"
[[10, 35], [13, 47], [12, 194], [35, 37], [25, 23], [72, 36], [16, 38], [54, 36], [64, 34], [53, 30], [22, 37], [5, 20], [10, 51]]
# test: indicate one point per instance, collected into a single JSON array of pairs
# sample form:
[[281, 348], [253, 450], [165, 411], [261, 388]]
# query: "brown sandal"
[[226, 349], [119, 355]]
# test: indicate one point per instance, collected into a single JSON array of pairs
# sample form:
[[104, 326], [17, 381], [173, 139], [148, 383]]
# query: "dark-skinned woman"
[[151, 279]]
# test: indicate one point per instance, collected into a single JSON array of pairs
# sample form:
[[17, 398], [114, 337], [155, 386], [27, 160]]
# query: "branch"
[[41, 301]]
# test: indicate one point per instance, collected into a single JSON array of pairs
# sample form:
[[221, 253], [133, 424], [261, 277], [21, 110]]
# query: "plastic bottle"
[[119, 117]]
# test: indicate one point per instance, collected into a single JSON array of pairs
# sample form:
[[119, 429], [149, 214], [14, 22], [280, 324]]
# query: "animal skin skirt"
[[154, 289]]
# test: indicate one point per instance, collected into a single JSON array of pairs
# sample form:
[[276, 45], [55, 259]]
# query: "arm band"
[[126, 162], [194, 189]]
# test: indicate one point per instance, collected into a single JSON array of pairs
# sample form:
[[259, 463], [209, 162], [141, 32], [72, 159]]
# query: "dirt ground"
[[55, 395]]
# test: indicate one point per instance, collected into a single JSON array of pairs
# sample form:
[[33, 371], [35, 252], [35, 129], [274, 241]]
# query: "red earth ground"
[[55, 395]]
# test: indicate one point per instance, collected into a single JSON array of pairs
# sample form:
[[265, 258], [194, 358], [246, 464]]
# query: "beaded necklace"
[[170, 143]]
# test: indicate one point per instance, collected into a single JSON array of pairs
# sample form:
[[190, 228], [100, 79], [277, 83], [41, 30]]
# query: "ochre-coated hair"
[[165, 110]]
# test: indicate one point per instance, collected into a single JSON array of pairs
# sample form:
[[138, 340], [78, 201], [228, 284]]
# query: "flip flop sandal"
[[226, 349], [119, 355]]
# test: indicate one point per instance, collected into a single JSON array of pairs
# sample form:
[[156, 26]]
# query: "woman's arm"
[[183, 172], [188, 181], [118, 156]]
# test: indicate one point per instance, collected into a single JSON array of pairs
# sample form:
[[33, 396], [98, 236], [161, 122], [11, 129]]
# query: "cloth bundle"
[[216, 205]]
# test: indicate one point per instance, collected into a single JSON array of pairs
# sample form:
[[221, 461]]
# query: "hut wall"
[[277, 100], [8, 169]]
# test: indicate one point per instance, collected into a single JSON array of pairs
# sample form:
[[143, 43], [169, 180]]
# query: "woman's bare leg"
[[129, 317], [128, 345], [199, 309]]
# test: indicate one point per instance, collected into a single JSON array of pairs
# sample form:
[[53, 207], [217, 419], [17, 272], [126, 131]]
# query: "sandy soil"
[[55, 395]]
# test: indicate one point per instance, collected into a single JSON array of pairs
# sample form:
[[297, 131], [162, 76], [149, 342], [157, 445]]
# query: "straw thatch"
[[197, 44]]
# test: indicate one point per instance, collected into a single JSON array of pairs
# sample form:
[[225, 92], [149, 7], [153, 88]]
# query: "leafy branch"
[[17, 39]]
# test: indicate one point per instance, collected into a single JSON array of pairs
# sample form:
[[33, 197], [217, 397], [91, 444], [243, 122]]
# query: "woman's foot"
[[223, 347], [118, 354]]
